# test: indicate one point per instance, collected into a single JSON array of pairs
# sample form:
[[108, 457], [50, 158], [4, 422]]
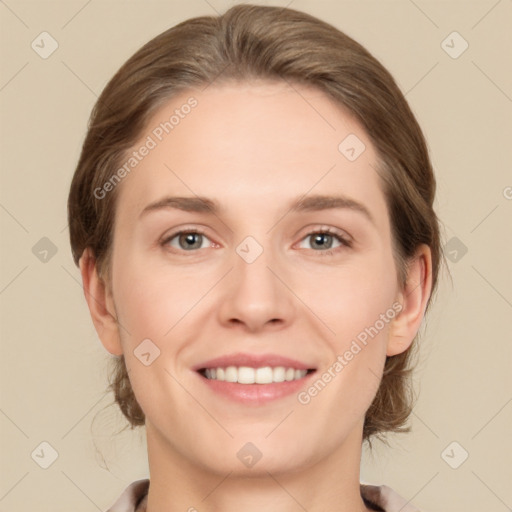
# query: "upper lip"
[[253, 361]]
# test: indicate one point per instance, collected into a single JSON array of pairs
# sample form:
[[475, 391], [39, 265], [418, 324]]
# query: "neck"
[[179, 484]]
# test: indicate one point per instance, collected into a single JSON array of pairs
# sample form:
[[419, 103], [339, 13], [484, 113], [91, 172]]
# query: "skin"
[[254, 148]]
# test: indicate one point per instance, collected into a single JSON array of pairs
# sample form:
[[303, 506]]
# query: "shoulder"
[[131, 497], [386, 498]]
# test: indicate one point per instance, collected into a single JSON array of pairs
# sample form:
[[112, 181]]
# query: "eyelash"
[[345, 242]]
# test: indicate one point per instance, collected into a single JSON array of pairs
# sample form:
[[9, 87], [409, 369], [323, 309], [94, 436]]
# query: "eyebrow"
[[305, 204]]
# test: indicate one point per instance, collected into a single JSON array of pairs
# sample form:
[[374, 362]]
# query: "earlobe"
[[414, 299], [101, 305]]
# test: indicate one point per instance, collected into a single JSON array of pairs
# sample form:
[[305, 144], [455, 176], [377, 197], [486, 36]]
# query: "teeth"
[[246, 375], [231, 374], [279, 374]]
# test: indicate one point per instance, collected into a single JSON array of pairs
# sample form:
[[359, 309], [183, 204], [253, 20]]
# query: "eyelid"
[[344, 237], [168, 236]]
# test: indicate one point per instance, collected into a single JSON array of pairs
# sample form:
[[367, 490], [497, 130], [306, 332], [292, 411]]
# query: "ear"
[[413, 297], [101, 304]]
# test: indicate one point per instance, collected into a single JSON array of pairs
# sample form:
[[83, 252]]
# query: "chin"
[[256, 458]]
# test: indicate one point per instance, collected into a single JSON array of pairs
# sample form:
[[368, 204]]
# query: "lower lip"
[[256, 394]]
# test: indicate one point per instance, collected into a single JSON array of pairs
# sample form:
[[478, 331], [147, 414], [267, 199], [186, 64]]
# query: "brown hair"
[[261, 42]]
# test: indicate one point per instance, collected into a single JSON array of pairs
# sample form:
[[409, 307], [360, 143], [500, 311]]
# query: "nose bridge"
[[252, 274], [255, 295]]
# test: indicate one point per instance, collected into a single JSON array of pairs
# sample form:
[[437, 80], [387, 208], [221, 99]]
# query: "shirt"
[[377, 497]]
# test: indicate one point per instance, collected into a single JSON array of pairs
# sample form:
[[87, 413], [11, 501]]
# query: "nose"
[[256, 296]]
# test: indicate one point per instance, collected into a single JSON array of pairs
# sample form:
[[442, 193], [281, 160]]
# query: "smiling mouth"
[[248, 375]]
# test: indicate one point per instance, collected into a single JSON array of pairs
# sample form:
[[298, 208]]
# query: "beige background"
[[53, 368]]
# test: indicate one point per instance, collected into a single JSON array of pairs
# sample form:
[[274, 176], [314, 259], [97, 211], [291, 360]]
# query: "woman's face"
[[292, 268]]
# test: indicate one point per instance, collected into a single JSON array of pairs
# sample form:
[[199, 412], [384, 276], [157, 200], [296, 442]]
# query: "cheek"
[[153, 298], [153, 304], [356, 304], [352, 297]]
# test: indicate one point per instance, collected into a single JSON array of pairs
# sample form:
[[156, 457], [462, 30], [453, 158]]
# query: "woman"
[[252, 217]]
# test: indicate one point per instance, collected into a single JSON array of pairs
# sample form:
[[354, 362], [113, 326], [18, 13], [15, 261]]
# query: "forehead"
[[241, 142]]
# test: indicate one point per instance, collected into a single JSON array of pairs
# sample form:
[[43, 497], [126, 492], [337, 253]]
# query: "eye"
[[187, 240], [324, 239]]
